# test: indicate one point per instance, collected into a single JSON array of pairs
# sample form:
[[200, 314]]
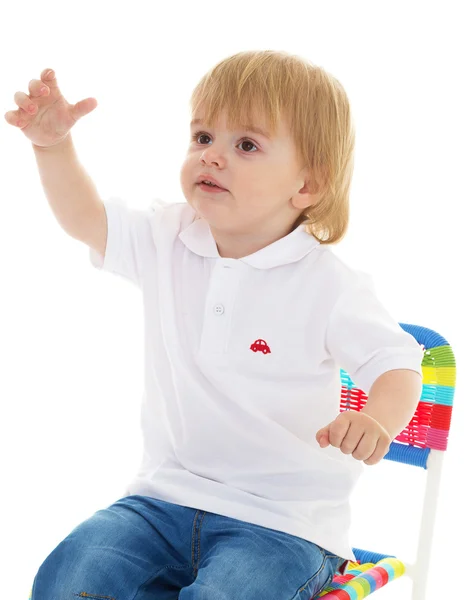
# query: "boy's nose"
[[212, 156]]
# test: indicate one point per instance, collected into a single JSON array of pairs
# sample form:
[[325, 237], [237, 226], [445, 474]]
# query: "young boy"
[[248, 464]]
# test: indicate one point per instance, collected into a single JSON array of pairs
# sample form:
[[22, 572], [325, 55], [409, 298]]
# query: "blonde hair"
[[273, 84]]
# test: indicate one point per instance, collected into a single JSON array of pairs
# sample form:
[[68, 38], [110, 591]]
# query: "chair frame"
[[418, 571], [422, 443]]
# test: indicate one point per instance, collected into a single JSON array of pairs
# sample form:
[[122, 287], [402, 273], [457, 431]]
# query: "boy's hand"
[[44, 115], [358, 434]]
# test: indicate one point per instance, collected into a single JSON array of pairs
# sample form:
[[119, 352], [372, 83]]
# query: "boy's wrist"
[[379, 419], [56, 146]]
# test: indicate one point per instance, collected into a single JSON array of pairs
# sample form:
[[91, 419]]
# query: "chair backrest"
[[423, 442], [429, 427]]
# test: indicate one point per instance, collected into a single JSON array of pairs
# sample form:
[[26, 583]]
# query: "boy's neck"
[[240, 245]]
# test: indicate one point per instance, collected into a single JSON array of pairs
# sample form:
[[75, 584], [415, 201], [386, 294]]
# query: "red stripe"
[[383, 574], [339, 594], [441, 417]]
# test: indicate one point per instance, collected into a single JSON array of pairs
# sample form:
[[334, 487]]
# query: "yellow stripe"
[[439, 376], [397, 565]]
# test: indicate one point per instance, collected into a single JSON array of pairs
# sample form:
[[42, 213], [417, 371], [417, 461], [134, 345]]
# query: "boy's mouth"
[[210, 187], [209, 181]]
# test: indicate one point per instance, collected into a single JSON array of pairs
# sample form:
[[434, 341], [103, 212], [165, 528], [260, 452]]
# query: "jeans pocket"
[[322, 577], [332, 565], [324, 586]]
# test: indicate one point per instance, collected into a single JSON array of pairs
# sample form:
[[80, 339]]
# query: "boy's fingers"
[[382, 448], [322, 437], [48, 77], [22, 100], [35, 88], [12, 118], [366, 447], [337, 431], [84, 107], [352, 438]]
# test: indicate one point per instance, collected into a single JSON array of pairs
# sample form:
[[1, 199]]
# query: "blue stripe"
[[366, 556], [425, 336], [353, 594], [409, 455]]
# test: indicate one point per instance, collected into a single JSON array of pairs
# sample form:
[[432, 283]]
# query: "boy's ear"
[[311, 191]]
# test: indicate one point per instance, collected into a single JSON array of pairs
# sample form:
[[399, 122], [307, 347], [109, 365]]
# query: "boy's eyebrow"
[[250, 127]]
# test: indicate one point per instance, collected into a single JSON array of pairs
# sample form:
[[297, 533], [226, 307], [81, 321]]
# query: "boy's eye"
[[200, 134]]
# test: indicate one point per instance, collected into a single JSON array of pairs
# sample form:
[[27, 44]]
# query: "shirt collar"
[[198, 238]]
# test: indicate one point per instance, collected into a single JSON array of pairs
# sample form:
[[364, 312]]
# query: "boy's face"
[[265, 184]]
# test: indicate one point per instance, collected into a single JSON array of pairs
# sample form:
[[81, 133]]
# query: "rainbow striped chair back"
[[421, 444]]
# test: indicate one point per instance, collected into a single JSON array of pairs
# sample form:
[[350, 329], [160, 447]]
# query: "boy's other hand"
[[358, 434], [44, 115]]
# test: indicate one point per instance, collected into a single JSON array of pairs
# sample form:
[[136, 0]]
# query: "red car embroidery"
[[260, 345]]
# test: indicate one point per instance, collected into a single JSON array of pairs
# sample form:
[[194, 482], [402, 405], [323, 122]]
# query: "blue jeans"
[[140, 548]]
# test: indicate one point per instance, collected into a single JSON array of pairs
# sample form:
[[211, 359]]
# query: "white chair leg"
[[419, 571]]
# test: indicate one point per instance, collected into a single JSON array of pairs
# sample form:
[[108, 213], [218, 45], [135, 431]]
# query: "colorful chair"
[[421, 444]]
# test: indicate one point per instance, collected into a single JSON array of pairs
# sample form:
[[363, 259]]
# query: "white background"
[[71, 336]]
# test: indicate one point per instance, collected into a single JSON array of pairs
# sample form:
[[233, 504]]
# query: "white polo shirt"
[[242, 360]]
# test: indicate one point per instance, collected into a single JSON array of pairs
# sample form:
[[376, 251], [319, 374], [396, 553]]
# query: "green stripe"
[[441, 356]]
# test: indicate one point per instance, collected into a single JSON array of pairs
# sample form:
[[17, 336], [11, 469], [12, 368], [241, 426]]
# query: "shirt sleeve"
[[130, 243], [365, 340]]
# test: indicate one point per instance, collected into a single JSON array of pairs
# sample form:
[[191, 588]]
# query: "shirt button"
[[218, 309]]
